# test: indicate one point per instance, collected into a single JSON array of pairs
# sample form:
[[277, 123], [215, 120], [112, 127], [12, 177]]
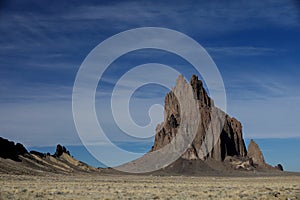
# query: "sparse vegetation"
[[147, 187]]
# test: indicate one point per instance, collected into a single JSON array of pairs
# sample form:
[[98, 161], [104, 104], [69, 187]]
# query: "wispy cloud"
[[34, 93], [38, 123], [61, 32], [268, 118], [249, 86], [204, 13], [241, 51], [266, 104]]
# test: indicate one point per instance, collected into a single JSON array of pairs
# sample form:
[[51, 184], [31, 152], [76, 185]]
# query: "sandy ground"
[[147, 187]]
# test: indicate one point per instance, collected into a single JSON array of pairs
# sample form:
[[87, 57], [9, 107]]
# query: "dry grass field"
[[147, 187]]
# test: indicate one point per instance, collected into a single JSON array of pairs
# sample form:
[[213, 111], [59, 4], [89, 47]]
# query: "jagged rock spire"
[[229, 143]]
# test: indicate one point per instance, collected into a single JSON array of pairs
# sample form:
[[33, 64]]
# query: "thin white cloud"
[[241, 50], [260, 85], [221, 16], [62, 31], [268, 118], [33, 92], [38, 124]]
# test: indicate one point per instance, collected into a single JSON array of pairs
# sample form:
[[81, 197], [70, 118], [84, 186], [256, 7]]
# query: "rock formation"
[[255, 153], [15, 159], [229, 143], [257, 156], [41, 155], [60, 150], [9, 149], [219, 137], [279, 167]]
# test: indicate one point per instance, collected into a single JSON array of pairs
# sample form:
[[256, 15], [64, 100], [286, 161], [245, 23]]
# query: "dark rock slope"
[[15, 159], [9, 149]]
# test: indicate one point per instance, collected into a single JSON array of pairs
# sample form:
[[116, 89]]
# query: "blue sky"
[[255, 45]]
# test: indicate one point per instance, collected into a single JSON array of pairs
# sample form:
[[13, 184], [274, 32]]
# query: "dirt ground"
[[147, 187]]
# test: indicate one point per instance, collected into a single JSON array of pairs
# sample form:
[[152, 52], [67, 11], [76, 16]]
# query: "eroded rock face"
[[60, 150], [213, 121], [255, 153], [231, 139], [9, 149], [37, 162]]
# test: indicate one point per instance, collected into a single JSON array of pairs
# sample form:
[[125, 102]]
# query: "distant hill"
[[15, 159]]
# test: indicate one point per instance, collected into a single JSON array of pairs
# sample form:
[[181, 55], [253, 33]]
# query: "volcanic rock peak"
[[229, 143]]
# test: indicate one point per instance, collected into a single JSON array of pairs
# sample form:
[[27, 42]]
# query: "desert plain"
[[57, 186]]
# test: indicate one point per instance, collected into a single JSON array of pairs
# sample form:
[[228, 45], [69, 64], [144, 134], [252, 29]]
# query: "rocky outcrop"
[[15, 159], [229, 143], [255, 153], [257, 156], [279, 167], [41, 155], [60, 150], [9, 149]]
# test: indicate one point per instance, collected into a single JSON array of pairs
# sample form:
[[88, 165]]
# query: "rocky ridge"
[[15, 159], [9, 149]]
